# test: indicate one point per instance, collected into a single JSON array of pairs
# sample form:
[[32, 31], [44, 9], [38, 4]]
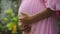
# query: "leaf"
[[5, 19], [9, 11]]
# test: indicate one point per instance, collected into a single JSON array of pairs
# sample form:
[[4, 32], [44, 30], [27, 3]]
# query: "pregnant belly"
[[31, 7]]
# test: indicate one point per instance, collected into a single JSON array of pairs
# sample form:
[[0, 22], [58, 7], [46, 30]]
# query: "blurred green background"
[[9, 17]]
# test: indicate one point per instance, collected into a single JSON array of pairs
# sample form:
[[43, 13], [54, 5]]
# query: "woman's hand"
[[25, 23], [26, 19]]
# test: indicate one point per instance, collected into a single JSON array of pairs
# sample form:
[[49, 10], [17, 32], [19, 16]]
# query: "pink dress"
[[46, 26]]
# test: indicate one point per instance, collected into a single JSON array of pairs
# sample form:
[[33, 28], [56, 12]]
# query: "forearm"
[[42, 15]]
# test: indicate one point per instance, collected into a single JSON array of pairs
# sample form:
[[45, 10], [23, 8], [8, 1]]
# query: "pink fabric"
[[57, 4], [46, 26]]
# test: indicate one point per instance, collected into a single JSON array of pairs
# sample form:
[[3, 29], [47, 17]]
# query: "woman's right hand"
[[23, 25]]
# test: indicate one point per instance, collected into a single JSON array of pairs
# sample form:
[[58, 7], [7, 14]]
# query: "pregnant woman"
[[40, 15]]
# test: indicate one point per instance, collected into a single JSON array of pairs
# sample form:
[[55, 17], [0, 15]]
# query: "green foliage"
[[9, 11], [5, 19], [11, 20], [10, 25]]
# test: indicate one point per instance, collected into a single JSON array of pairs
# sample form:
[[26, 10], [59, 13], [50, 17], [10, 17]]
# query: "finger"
[[21, 17], [24, 14], [20, 20], [23, 21]]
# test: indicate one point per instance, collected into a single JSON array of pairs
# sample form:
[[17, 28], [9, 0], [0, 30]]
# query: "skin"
[[37, 17]]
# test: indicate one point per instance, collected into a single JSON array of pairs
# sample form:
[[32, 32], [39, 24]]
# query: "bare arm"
[[42, 15], [37, 17]]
